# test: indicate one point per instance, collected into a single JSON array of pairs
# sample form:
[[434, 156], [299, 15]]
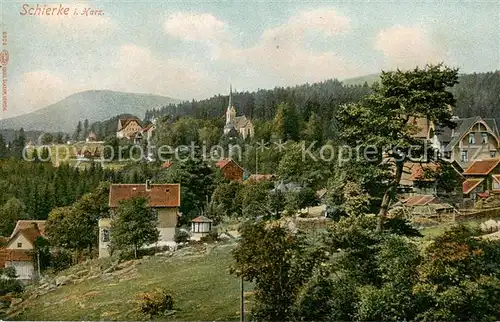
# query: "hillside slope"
[[198, 280], [91, 105]]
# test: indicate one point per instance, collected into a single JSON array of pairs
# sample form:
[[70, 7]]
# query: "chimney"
[[148, 185]]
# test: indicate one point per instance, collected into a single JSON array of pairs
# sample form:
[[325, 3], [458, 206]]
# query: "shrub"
[[155, 303], [129, 254], [181, 236], [60, 260], [8, 281]]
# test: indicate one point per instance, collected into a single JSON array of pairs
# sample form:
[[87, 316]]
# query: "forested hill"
[[477, 94], [321, 98]]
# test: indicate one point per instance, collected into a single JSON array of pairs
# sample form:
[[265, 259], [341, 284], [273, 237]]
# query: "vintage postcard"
[[250, 160]]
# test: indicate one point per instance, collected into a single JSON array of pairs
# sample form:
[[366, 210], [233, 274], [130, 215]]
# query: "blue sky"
[[195, 49]]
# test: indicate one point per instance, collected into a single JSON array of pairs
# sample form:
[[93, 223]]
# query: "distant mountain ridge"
[[95, 105]]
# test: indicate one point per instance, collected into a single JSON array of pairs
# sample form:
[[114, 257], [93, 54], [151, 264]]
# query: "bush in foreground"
[[155, 303]]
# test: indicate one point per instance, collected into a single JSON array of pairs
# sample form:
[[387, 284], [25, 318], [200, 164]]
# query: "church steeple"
[[231, 112]]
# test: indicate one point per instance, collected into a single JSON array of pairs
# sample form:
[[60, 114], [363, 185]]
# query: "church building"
[[239, 124]]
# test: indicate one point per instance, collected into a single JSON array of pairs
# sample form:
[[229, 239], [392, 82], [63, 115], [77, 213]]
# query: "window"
[[463, 156], [19, 245], [484, 138], [105, 235], [472, 138], [493, 154]]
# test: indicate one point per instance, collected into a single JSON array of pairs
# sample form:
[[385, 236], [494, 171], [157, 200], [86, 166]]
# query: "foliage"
[[8, 281], [134, 224], [155, 303], [74, 227], [299, 167], [40, 187], [197, 185], [181, 236], [266, 255], [10, 213], [386, 118], [60, 259]]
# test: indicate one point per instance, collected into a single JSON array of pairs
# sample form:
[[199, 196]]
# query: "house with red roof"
[[18, 249], [163, 199], [482, 178], [230, 169]]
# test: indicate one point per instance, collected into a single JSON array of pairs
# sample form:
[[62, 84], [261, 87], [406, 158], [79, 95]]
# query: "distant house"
[[18, 249], [481, 179], [128, 128], [164, 199], [91, 137], [237, 124], [473, 139], [230, 169], [415, 178]]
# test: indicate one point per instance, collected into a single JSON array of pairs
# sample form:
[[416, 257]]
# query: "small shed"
[[200, 226]]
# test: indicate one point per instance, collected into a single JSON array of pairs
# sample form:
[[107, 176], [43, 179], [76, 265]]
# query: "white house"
[[18, 251]]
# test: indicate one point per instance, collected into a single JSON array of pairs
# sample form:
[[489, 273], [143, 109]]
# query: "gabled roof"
[[202, 219], [496, 178], [224, 162], [482, 167], [463, 126], [125, 122], [91, 135], [470, 184], [159, 196], [148, 127], [25, 224], [419, 200]]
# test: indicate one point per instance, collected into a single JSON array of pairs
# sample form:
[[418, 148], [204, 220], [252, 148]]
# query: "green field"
[[201, 286]]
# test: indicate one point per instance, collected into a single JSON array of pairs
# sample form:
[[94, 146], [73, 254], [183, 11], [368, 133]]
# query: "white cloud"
[[407, 47], [137, 70], [35, 90], [282, 53], [195, 27]]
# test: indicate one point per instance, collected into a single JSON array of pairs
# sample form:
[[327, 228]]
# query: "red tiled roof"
[[418, 171], [469, 184], [202, 219], [25, 224], [16, 255], [222, 163], [484, 194], [160, 195], [167, 165], [482, 167]]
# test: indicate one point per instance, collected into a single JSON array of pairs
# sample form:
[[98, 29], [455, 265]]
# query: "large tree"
[[10, 213], [385, 120], [134, 225]]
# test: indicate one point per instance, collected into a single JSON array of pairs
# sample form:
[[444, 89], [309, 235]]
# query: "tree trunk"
[[135, 251], [389, 195]]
